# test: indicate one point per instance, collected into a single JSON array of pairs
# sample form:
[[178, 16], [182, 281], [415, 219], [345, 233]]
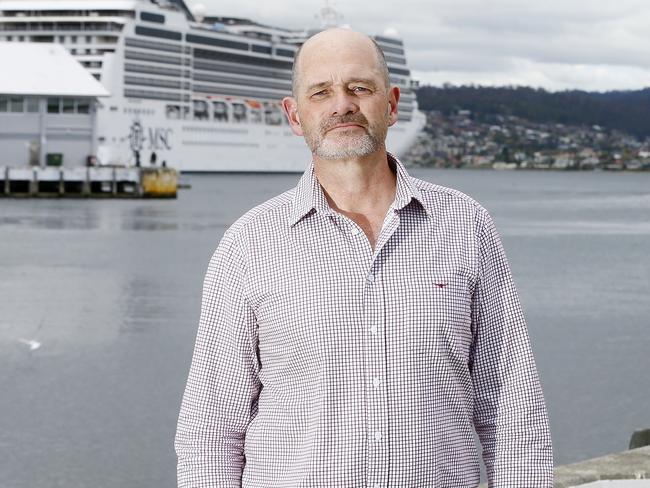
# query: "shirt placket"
[[375, 350]]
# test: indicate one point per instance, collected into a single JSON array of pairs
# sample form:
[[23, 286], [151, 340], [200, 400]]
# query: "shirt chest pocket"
[[441, 326]]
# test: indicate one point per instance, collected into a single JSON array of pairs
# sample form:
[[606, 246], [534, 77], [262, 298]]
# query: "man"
[[355, 330]]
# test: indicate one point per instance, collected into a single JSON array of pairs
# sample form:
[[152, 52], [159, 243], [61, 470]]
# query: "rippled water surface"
[[109, 293]]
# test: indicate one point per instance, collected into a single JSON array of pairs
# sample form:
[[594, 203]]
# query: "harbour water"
[[109, 291]]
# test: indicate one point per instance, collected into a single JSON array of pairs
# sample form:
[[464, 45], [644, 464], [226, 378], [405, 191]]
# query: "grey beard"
[[359, 146]]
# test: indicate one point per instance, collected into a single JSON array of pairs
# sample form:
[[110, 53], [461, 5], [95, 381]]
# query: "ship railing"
[[60, 28]]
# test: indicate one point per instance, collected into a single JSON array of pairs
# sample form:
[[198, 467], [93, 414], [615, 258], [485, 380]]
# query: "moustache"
[[358, 118]]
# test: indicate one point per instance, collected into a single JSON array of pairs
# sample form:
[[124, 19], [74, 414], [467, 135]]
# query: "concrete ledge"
[[617, 484], [626, 465]]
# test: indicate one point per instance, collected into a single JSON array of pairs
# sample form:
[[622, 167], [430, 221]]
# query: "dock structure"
[[88, 182], [626, 469]]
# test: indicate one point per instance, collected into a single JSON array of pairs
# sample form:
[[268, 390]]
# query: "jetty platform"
[[625, 469], [88, 182]]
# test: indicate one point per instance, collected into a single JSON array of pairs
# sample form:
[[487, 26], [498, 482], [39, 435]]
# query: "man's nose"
[[344, 103]]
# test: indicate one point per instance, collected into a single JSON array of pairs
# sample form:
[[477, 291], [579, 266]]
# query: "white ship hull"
[[209, 146]]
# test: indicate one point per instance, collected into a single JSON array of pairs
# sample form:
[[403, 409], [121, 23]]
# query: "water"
[[111, 290]]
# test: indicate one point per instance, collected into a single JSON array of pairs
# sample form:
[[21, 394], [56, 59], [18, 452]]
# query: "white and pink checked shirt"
[[322, 363]]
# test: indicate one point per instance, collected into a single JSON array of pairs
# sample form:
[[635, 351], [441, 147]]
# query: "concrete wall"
[[16, 133], [68, 134]]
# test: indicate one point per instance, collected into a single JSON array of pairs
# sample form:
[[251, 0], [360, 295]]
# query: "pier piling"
[[89, 182]]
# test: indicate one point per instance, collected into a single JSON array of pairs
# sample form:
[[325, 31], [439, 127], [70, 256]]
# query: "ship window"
[[16, 104], [200, 110], [68, 105], [157, 46], [152, 57], [261, 49], [397, 71], [256, 116], [33, 104], [53, 106], [395, 60], [173, 112], [392, 50], [156, 70], [151, 17], [163, 34], [4, 103], [220, 110], [241, 59], [272, 114], [214, 41], [83, 106], [238, 112], [73, 38], [388, 40], [284, 52]]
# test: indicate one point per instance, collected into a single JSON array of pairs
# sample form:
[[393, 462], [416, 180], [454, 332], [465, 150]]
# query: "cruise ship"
[[195, 92]]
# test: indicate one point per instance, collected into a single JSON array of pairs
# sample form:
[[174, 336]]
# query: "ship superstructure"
[[200, 93]]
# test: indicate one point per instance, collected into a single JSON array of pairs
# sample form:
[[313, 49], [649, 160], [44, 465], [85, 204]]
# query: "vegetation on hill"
[[627, 111]]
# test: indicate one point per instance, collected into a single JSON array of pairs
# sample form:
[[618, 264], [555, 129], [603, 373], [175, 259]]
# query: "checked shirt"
[[322, 363]]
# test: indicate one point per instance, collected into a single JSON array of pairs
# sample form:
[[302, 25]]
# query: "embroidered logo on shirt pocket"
[[443, 324]]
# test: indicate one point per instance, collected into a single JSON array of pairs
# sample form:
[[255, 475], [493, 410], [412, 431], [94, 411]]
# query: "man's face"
[[342, 106], [344, 136]]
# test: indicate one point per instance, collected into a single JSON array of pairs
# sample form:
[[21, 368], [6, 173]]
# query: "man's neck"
[[356, 186]]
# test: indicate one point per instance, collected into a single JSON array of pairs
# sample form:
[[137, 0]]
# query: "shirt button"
[[373, 329], [377, 436], [377, 485], [376, 382], [354, 231], [371, 277]]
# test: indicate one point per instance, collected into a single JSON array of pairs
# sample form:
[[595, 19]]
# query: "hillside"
[[627, 111]]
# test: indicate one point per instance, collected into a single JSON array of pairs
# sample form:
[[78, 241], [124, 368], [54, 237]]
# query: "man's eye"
[[359, 89], [319, 93]]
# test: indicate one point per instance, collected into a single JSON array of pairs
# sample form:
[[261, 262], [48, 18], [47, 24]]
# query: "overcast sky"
[[554, 44]]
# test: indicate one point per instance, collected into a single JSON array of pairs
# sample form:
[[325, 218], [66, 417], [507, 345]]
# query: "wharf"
[[88, 182], [624, 469], [633, 464]]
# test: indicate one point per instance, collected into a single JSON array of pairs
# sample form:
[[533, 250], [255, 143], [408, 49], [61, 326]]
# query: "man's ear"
[[290, 107], [393, 100]]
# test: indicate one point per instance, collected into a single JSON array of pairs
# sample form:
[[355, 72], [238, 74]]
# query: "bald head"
[[334, 41]]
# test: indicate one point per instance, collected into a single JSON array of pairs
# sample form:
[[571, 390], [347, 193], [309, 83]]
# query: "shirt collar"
[[309, 195]]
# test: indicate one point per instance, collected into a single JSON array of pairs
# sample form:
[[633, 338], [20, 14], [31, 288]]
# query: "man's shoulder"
[[272, 212], [435, 196]]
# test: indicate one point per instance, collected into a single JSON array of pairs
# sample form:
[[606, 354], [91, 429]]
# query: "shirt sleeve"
[[510, 414], [221, 394]]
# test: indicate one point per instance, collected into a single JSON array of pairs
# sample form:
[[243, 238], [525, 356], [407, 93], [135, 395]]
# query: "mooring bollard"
[[640, 438], [85, 186], [33, 183]]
